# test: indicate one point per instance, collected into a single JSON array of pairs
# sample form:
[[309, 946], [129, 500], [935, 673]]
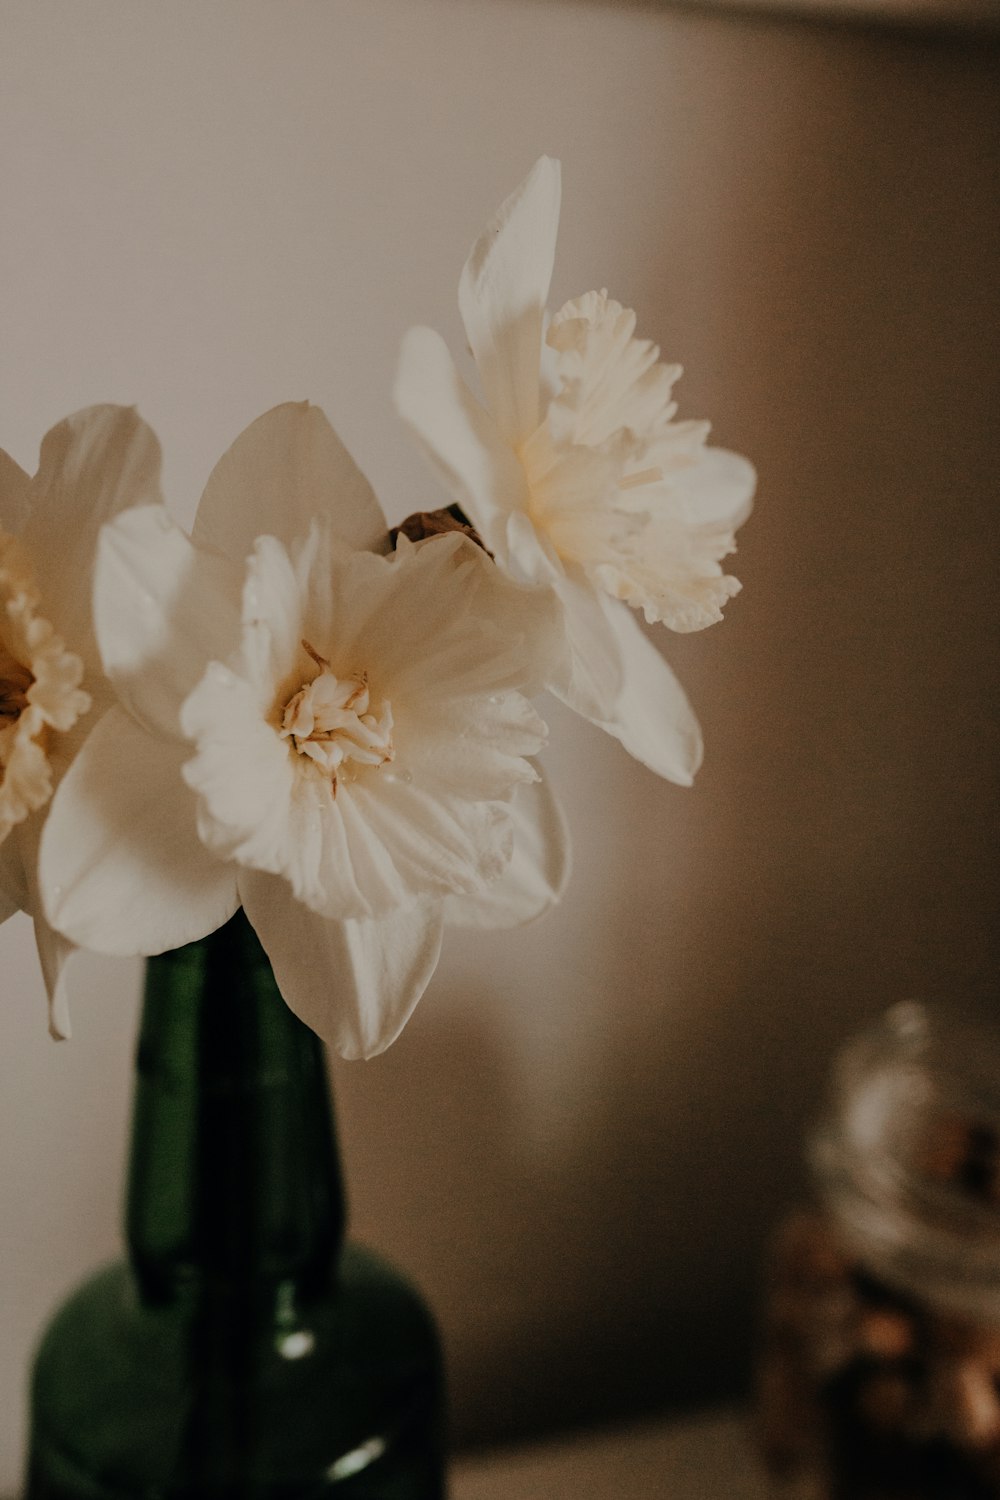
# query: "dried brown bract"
[[425, 523]]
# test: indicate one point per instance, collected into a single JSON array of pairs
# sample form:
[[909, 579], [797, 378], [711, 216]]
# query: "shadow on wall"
[[533, 1260], [837, 853]]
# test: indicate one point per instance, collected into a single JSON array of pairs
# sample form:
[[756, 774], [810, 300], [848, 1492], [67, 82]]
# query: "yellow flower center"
[[335, 722], [39, 690], [15, 680]]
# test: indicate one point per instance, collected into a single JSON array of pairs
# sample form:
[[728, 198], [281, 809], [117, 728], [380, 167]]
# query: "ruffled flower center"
[[335, 722], [605, 470], [40, 691], [15, 680]]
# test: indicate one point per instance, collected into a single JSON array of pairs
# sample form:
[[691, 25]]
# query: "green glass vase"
[[242, 1351]]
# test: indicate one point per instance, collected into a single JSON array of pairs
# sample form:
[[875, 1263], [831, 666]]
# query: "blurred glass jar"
[[879, 1376]]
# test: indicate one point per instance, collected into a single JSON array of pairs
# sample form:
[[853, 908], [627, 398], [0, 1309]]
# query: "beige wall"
[[584, 1134]]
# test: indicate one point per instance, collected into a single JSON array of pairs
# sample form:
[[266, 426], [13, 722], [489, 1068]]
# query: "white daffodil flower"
[[345, 732], [53, 691], [577, 476]]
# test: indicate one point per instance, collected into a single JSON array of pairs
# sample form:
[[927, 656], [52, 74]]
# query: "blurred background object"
[[879, 1367], [578, 1146]]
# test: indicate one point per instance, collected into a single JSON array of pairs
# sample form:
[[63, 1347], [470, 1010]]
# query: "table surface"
[[707, 1457]]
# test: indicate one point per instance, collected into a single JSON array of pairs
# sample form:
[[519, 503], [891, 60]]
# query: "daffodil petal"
[[15, 495], [502, 295], [356, 983], [718, 489], [591, 675], [121, 868], [286, 468], [443, 622], [653, 719], [478, 750], [437, 845], [272, 614], [162, 609], [241, 770], [54, 953], [54, 950], [458, 438], [531, 557], [92, 466], [538, 872]]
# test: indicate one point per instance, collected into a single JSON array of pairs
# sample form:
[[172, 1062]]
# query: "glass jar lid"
[[907, 1155]]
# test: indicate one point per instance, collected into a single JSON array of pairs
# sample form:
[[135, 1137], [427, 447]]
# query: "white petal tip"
[[60, 1031], [60, 1025]]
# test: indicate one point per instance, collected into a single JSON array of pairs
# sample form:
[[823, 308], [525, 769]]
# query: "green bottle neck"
[[234, 1175]]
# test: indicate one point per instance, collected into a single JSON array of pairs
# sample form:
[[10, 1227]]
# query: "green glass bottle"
[[242, 1352]]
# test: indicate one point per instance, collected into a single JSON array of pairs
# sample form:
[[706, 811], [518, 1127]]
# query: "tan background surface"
[[581, 1140], [707, 1457], [953, 15]]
